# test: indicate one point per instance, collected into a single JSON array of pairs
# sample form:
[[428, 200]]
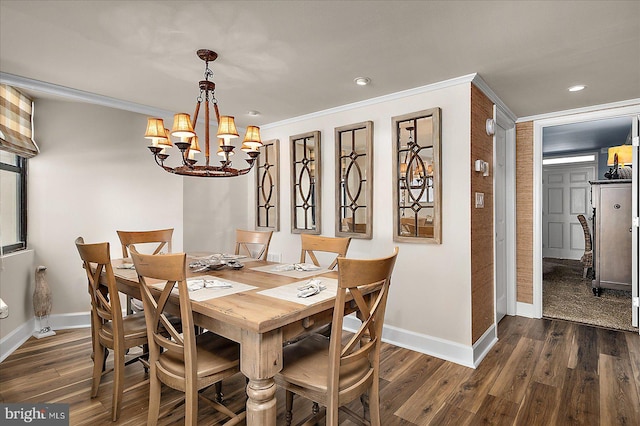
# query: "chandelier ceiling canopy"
[[189, 144]]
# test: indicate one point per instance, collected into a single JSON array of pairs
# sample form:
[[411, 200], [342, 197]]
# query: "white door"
[[566, 194], [500, 178], [635, 214]]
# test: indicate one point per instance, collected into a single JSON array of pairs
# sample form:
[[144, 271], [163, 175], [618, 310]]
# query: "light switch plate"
[[479, 200]]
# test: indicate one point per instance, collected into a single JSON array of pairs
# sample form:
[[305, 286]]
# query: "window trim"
[[21, 170]]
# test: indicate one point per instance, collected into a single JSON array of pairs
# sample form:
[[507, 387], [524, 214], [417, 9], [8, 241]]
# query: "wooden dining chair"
[[153, 241], [109, 329], [319, 243], [182, 361], [332, 374], [254, 244], [587, 257]]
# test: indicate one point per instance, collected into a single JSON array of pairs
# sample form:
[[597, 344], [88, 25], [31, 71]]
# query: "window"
[[567, 160], [13, 202]]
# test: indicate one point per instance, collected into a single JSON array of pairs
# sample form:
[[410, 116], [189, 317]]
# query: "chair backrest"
[[170, 269], [105, 303], [318, 243], [367, 281], [254, 244], [161, 236], [587, 232]]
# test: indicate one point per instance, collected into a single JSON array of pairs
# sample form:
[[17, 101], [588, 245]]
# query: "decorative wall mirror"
[[354, 180], [305, 182], [417, 172], [268, 186]]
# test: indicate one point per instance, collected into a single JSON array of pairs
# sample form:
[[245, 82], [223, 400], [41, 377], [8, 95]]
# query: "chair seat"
[[214, 355], [134, 327], [306, 363]]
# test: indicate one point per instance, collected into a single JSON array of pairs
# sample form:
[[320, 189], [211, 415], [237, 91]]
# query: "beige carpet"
[[566, 295]]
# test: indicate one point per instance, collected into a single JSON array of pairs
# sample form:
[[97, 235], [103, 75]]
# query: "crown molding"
[[373, 101], [484, 87], [584, 110], [79, 95]]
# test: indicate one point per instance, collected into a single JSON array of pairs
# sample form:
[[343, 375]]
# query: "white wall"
[[16, 289], [93, 176], [431, 287], [214, 208]]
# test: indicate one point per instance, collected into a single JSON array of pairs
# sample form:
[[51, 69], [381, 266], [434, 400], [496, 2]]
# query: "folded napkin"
[[296, 267], [311, 288], [199, 283], [126, 266]]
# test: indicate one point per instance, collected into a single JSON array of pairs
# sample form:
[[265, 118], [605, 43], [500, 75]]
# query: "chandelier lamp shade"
[[188, 142]]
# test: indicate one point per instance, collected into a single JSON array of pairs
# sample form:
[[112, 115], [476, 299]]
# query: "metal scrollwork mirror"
[[305, 182], [354, 180], [417, 171], [268, 186]]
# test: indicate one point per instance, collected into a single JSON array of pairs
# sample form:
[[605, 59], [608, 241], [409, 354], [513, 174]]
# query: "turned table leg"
[[260, 360]]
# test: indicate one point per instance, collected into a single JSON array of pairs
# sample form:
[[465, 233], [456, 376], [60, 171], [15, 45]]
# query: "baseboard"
[[17, 337], [525, 310], [484, 344], [428, 345], [67, 321]]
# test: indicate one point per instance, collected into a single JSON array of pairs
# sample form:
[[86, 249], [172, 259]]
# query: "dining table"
[[261, 310]]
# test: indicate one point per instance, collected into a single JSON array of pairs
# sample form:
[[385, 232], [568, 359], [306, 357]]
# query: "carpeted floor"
[[566, 295]]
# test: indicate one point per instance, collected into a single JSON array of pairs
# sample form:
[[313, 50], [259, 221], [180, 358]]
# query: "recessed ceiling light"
[[253, 113], [362, 81], [577, 88]]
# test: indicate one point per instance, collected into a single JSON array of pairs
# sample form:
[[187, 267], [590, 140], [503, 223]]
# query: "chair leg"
[[154, 397], [219, 395], [289, 407], [118, 383], [191, 406], [374, 403], [99, 358]]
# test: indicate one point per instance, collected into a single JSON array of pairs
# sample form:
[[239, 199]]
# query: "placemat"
[[126, 273], [211, 293], [293, 274], [289, 292]]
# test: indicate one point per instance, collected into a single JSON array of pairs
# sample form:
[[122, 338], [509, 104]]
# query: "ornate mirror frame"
[[268, 186], [306, 182], [354, 180], [417, 194]]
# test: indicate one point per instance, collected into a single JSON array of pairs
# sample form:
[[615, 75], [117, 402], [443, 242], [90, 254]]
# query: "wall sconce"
[[482, 166]]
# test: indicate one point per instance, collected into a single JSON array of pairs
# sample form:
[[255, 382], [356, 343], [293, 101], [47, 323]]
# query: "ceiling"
[[289, 58]]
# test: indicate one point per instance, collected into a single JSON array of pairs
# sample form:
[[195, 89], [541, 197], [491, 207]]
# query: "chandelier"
[[183, 128]]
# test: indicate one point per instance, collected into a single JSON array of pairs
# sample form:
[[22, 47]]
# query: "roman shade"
[[15, 123]]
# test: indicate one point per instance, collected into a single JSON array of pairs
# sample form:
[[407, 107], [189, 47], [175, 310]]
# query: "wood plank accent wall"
[[524, 212], [482, 235]]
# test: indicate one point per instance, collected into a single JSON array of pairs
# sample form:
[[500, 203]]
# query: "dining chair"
[[254, 244], [154, 241], [183, 361], [587, 257], [327, 372], [109, 328], [311, 244]]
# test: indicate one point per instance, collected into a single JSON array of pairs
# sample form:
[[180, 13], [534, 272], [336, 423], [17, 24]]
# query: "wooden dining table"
[[261, 316]]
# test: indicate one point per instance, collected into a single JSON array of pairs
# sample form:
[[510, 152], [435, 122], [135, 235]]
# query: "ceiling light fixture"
[[183, 128], [362, 81], [577, 88]]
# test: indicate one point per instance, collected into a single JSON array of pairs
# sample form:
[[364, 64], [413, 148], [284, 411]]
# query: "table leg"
[[260, 360]]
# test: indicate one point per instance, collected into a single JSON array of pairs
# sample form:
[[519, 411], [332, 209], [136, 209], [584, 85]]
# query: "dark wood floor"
[[541, 372]]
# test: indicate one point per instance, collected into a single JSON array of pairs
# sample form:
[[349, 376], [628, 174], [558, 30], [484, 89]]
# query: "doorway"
[[564, 192]]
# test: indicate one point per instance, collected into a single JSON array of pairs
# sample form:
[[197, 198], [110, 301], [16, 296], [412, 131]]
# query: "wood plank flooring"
[[541, 372]]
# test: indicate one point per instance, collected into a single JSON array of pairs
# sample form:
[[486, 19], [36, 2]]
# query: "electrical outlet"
[[479, 200]]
